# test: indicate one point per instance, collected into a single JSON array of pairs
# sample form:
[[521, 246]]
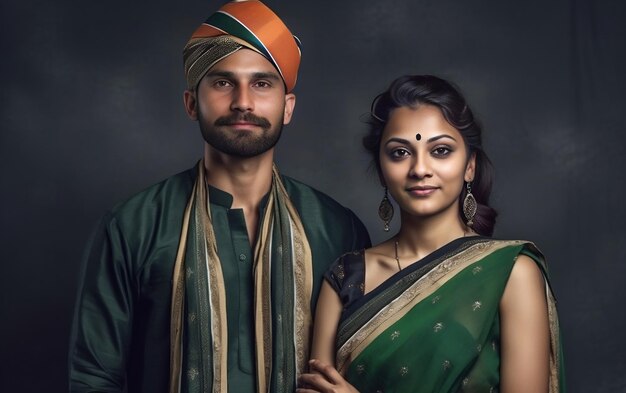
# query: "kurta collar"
[[224, 199], [219, 197]]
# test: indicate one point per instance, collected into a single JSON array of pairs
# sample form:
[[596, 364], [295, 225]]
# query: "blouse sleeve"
[[347, 276], [335, 274]]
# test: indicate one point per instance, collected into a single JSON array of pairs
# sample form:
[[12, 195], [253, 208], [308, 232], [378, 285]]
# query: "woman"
[[440, 306]]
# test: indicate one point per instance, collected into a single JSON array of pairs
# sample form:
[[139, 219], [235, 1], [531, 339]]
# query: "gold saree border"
[[415, 293], [555, 344]]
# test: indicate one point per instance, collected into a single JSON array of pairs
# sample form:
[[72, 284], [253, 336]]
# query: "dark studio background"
[[91, 113]]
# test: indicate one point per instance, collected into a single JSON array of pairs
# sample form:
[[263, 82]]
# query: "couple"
[[209, 280]]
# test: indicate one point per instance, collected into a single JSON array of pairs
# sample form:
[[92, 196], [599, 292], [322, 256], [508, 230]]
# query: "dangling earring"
[[385, 211], [469, 205]]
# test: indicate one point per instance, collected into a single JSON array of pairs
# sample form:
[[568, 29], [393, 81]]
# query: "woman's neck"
[[421, 236]]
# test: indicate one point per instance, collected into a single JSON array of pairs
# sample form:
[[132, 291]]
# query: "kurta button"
[[242, 257]]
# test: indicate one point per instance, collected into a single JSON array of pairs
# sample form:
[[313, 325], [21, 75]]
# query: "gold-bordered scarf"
[[283, 279]]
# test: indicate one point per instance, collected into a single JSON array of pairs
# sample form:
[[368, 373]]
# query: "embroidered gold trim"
[[303, 284], [178, 293], [263, 312], [217, 295]]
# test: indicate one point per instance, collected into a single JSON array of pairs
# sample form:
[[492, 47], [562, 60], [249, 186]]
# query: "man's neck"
[[246, 179]]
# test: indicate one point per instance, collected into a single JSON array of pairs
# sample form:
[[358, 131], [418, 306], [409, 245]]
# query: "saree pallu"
[[434, 326]]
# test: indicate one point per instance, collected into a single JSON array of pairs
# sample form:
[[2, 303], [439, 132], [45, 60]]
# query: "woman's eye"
[[399, 153], [441, 151]]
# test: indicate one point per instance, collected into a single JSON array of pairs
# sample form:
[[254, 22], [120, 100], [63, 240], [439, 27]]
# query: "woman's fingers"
[[328, 371], [323, 378], [315, 381]]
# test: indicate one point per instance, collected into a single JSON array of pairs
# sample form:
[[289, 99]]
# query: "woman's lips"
[[422, 191]]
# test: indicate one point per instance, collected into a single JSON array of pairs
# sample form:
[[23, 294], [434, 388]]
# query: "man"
[[206, 281]]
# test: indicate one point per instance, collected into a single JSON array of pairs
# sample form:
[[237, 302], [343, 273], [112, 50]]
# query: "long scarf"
[[282, 298], [435, 327]]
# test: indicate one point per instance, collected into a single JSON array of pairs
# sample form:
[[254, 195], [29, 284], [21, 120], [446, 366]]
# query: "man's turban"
[[242, 24]]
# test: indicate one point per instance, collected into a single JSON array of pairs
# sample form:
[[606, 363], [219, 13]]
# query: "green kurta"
[[121, 330]]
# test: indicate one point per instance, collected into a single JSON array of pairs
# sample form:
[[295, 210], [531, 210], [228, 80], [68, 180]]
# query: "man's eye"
[[262, 84], [221, 83]]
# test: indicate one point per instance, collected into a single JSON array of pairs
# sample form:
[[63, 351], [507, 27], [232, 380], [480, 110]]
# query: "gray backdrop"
[[92, 113]]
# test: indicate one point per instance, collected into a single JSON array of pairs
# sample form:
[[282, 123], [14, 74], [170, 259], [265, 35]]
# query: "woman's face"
[[424, 161]]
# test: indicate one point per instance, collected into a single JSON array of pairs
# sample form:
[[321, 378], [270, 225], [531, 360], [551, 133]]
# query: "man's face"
[[241, 105]]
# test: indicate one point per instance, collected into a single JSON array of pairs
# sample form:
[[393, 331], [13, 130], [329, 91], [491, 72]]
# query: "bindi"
[[418, 136]]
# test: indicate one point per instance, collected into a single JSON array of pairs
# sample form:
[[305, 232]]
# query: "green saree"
[[434, 326]]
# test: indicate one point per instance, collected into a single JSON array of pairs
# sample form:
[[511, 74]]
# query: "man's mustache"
[[246, 117]]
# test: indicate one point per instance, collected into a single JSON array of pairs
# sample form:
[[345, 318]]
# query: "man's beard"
[[241, 143]]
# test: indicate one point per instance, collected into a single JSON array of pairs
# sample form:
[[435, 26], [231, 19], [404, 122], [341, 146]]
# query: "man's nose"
[[242, 100]]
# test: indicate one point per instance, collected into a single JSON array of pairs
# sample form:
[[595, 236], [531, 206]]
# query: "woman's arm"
[[525, 347], [323, 377], [327, 317]]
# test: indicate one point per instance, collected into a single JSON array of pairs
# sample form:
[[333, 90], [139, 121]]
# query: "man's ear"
[[290, 104], [191, 104]]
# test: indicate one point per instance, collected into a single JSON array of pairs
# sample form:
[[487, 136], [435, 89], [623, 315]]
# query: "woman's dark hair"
[[415, 90]]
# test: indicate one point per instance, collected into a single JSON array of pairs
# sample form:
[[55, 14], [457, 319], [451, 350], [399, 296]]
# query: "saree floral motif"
[[434, 327]]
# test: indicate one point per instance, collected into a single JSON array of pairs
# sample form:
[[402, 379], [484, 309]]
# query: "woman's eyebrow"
[[436, 138]]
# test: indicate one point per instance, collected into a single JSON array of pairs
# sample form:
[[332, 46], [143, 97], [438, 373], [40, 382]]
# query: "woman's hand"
[[323, 378]]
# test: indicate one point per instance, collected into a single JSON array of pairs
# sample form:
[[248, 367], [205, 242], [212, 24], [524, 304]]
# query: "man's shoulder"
[[318, 209], [170, 193], [332, 229], [306, 198]]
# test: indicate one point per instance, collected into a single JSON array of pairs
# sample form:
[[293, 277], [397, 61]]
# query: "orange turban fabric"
[[242, 24]]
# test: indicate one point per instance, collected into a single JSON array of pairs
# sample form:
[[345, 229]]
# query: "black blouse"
[[347, 277]]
